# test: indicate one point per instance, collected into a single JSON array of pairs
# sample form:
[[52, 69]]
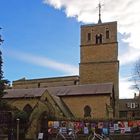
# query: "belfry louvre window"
[[89, 36], [107, 34], [98, 39]]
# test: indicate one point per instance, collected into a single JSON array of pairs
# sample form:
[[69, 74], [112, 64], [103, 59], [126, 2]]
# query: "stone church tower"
[[99, 55]]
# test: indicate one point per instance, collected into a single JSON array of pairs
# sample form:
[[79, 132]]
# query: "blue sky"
[[42, 38], [41, 31]]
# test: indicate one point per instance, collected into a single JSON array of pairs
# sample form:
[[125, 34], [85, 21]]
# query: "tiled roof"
[[24, 93], [88, 89]]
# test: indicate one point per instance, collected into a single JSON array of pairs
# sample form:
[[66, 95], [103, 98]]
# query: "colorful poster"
[[111, 130], [71, 125], [134, 123], [121, 124], [125, 124], [127, 130], [85, 127], [86, 131], [116, 126], [50, 123], [122, 130], [130, 123], [138, 123], [100, 125], [56, 124], [105, 124], [105, 131], [111, 127]]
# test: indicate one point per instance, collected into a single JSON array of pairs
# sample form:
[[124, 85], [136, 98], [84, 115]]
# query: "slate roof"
[[75, 90], [24, 93], [57, 92], [82, 90], [36, 92]]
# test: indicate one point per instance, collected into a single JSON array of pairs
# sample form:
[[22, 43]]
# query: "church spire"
[[99, 5]]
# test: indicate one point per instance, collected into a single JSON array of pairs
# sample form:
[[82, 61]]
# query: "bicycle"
[[95, 136], [71, 135], [60, 136]]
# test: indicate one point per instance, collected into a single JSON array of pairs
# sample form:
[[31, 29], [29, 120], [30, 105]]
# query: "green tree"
[[3, 82]]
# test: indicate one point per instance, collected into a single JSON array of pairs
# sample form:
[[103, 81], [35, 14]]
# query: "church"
[[94, 93]]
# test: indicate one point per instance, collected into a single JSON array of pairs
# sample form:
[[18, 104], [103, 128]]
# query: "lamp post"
[[17, 128]]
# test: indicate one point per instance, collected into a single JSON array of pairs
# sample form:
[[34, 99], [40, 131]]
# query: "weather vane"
[[99, 6], [1, 40]]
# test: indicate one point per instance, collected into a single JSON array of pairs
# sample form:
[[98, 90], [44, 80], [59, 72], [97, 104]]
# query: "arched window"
[[98, 38], [87, 111], [27, 109]]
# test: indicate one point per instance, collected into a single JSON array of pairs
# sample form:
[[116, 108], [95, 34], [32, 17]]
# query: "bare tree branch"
[[136, 76]]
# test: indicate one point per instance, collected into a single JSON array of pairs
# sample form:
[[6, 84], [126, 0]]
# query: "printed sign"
[[40, 136]]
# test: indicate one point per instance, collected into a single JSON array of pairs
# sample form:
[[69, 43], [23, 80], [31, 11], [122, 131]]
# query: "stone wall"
[[45, 82], [97, 104]]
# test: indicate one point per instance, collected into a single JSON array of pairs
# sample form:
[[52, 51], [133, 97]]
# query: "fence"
[[118, 129]]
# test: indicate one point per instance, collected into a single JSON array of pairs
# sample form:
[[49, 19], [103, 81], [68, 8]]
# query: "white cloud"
[[125, 12], [124, 88], [45, 62], [130, 56]]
